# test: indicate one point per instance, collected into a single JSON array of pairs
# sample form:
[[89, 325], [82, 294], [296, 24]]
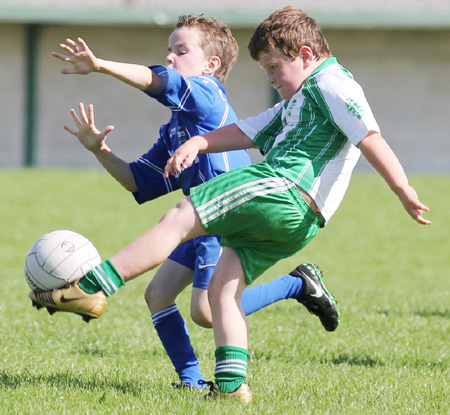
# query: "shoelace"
[[213, 388], [208, 383]]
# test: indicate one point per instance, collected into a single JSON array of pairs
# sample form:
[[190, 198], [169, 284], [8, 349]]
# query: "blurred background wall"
[[398, 51]]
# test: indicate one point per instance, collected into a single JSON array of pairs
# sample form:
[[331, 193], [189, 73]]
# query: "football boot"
[[242, 394], [315, 297], [71, 298]]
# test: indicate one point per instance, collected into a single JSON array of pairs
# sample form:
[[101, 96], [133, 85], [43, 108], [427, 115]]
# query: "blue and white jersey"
[[198, 105]]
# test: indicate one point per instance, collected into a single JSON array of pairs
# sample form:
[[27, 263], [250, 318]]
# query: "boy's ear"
[[305, 53], [214, 63]]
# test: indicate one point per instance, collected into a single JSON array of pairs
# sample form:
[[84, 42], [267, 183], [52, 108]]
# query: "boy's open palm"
[[79, 55], [87, 133]]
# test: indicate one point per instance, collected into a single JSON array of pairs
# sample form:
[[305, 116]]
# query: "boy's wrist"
[[99, 66], [200, 142], [401, 190], [103, 150]]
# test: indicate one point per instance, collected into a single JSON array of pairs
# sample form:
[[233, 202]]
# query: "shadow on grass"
[[70, 380], [92, 352], [432, 313], [419, 313], [367, 361], [346, 359], [333, 359]]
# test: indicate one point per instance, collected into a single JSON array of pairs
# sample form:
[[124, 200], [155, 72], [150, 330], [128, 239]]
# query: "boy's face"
[[185, 54], [284, 73]]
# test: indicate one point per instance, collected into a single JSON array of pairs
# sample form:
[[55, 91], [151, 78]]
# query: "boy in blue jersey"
[[201, 54]]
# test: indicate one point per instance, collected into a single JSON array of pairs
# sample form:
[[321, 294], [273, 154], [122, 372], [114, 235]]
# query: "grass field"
[[391, 354]]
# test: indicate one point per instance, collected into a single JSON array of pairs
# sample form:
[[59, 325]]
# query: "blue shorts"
[[201, 255]]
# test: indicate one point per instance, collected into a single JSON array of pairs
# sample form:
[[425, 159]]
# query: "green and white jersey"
[[311, 139]]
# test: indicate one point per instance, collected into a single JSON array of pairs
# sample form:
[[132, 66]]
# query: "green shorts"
[[259, 214]]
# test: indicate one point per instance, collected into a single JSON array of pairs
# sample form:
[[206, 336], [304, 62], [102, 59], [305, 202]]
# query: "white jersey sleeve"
[[346, 103], [252, 126]]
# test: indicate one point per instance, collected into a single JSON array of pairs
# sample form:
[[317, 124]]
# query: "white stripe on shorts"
[[241, 194]]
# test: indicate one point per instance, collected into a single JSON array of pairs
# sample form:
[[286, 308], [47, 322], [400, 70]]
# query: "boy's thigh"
[[229, 276]]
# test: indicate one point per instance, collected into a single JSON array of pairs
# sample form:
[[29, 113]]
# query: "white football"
[[58, 258]]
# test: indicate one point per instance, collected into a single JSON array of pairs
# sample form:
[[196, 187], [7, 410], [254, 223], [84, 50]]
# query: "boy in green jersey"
[[311, 141]]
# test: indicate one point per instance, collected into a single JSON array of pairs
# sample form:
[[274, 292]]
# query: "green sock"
[[103, 277], [231, 367]]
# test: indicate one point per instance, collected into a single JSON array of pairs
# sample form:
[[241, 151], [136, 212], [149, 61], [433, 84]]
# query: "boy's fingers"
[[68, 71], [91, 114], [73, 44], [170, 168], [107, 130], [187, 162], [67, 48], [416, 214], [60, 56], [167, 170], [83, 113], [419, 212], [425, 208], [422, 220], [75, 117], [179, 162], [83, 43], [69, 130]]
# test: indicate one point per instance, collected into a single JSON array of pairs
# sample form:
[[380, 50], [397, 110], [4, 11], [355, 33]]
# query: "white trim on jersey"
[[167, 182], [224, 118]]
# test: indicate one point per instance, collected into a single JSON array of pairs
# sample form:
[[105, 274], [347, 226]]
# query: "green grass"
[[391, 354]]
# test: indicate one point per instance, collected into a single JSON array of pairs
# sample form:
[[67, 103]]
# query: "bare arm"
[[382, 158], [117, 168], [84, 62], [95, 141], [226, 138]]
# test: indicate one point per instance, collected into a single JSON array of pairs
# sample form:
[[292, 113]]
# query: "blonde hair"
[[288, 29], [216, 39]]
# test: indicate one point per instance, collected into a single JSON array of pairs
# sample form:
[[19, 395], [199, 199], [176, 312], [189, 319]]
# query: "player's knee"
[[148, 295], [201, 317], [200, 310], [182, 221], [156, 298]]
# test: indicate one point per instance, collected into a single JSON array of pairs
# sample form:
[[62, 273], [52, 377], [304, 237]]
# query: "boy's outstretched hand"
[[87, 133], [182, 158], [79, 55], [413, 205]]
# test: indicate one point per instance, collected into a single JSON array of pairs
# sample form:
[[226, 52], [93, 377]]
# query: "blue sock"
[[174, 335], [260, 296]]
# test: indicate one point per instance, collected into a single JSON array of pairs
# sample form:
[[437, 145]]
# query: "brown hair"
[[288, 29], [216, 39]]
